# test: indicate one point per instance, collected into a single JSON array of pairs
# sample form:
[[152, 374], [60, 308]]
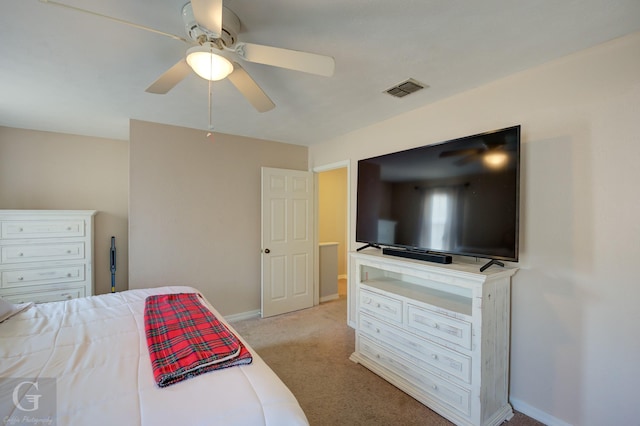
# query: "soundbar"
[[417, 255]]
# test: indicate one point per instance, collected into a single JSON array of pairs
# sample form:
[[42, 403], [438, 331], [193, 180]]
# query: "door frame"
[[316, 256]]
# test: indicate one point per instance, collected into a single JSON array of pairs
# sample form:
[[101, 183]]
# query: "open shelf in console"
[[439, 295]]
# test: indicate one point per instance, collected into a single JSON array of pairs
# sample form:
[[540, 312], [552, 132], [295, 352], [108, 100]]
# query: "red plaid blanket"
[[186, 339]]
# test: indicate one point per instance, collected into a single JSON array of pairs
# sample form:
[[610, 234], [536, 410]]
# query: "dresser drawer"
[[42, 276], [436, 388], [16, 229], [381, 306], [45, 296], [23, 253], [422, 352], [447, 328]]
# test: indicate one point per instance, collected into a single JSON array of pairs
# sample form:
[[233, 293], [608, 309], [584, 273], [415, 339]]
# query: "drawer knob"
[[434, 387], [68, 228], [68, 251], [377, 305], [20, 254], [20, 229], [20, 278], [434, 356], [69, 275]]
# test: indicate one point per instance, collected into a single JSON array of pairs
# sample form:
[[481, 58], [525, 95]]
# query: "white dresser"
[[438, 332], [46, 255]]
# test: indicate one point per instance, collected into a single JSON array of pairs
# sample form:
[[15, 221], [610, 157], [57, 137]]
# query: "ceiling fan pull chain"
[[210, 106], [210, 134]]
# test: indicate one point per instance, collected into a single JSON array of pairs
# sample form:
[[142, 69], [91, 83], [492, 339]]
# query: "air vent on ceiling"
[[405, 88]]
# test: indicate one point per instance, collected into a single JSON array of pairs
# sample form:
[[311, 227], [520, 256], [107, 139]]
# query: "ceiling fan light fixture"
[[207, 64], [496, 159]]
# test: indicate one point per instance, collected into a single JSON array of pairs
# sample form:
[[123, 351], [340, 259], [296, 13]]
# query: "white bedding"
[[96, 350]]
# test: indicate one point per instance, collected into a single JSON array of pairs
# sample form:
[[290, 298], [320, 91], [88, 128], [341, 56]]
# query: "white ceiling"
[[70, 72]]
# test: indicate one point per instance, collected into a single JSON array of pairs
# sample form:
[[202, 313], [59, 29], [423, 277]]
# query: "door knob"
[[267, 251]]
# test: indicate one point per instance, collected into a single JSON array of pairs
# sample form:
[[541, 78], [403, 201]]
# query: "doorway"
[[333, 223]]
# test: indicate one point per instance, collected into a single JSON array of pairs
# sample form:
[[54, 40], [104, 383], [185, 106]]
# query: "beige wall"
[[575, 317], [195, 211], [332, 212], [44, 170]]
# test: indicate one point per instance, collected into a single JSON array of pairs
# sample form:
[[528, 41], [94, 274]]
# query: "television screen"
[[456, 197]]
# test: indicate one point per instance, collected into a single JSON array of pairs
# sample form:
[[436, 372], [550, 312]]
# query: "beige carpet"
[[310, 351]]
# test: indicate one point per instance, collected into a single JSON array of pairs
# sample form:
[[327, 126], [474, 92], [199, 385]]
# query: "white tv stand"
[[438, 332]]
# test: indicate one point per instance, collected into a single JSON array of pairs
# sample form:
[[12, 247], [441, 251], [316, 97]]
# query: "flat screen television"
[[459, 197]]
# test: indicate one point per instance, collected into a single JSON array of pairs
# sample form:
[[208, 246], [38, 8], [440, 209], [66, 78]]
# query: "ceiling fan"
[[489, 148], [213, 30]]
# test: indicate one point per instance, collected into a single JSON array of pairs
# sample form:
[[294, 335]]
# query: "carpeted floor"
[[310, 351]]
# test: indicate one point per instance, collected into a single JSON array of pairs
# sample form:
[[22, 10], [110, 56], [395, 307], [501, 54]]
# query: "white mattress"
[[96, 350]]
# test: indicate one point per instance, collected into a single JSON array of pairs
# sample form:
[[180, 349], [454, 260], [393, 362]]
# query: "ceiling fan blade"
[[170, 78], [467, 159], [460, 152], [208, 15], [121, 21], [250, 89], [286, 58]]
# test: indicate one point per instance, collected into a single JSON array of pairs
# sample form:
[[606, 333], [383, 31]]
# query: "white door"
[[287, 241]]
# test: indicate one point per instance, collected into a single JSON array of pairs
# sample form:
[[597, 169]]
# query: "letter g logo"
[[33, 399]]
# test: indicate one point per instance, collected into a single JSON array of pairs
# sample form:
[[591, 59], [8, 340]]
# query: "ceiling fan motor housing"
[[230, 27]]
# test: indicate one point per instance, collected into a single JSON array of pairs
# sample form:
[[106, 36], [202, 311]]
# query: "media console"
[[438, 332]]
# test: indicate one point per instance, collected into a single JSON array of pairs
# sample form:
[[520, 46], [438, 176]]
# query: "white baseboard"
[[243, 316], [330, 297], [536, 413], [256, 314]]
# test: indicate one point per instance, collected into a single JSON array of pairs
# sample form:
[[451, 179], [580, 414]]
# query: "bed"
[[96, 351]]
